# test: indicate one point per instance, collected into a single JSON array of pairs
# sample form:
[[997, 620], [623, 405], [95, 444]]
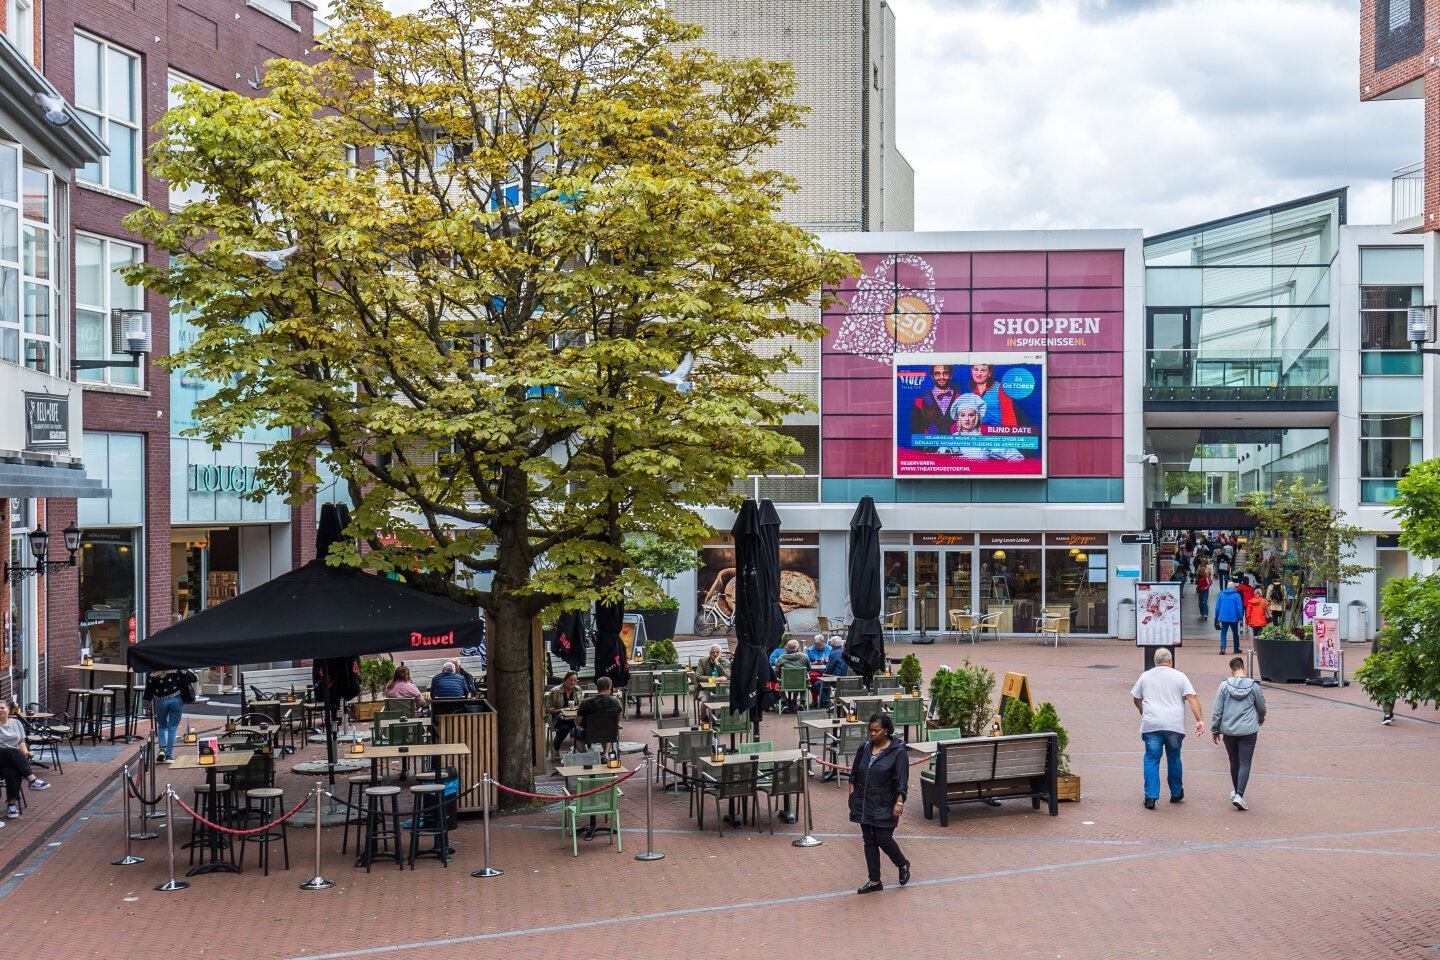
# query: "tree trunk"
[[511, 693]]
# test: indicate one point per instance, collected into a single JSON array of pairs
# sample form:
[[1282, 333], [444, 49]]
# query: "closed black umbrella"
[[752, 681], [568, 641], [865, 643], [610, 660]]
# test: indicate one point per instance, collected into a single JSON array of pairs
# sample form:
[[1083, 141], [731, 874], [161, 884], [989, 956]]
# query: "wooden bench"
[[991, 768]]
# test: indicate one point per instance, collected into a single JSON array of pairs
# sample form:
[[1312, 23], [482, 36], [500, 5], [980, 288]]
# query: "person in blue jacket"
[[1229, 611]]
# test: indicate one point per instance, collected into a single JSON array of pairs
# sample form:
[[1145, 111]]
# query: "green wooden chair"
[[736, 782], [848, 685], [729, 722], [672, 684], [606, 804], [807, 736], [401, 705], [795, 685], [850, 739], [784, 780], [935, 734], [907, 712], [380, 726]]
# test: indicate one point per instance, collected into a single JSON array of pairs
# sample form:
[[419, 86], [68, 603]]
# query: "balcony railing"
[[1245, 377], [1407, 194]]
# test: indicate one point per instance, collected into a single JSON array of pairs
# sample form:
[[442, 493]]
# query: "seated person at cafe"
[[793, 657], [403, 688], [556, 700], [15, 761], [470, 686], [819, 654], [603, 704], [835, 665], [712, 665], [776, 653], [448, 685]]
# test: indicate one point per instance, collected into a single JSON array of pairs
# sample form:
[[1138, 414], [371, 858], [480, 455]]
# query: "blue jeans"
[[1204, 596], [1170, 741], [1233, 628], [167, 721]]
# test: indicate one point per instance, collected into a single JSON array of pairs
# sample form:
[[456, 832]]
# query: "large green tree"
[[566, 199], [1406, 664], [1296, 523]]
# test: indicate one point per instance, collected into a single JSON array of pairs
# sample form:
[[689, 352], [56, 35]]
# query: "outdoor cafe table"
[[736, 759], [376, 754], [212, 850], [118, 669]]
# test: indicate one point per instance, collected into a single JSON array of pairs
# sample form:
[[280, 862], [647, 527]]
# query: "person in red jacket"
[[1245, 589], [1257, 613]]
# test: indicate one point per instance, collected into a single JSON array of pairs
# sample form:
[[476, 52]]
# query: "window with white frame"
[[107, 97], [20, 26], [29, 328], [100, 288], [178, 197]]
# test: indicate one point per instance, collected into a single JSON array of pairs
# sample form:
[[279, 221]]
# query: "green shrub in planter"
[[661, 651], [964, 698], [909, 674], [376, 674], [1018, 718], [1047, 720]]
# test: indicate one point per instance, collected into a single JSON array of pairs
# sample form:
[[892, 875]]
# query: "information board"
[[1327, 636], [1157, 614]]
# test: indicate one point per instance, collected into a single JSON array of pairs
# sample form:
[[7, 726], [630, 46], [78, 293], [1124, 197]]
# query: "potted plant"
[[375, 675], [1304, 540], [909, 673], [661, 559], [963, 698], [1047, 720], [1017, 719], [661, 651]]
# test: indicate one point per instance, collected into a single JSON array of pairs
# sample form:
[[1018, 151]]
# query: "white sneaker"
[[1239, 802]]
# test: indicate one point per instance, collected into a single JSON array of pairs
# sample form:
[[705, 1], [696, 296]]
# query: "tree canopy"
[[556, 201], [1406, 664]]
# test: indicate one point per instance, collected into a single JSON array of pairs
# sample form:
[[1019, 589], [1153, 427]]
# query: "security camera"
[[1420, 324], [1150, 458]]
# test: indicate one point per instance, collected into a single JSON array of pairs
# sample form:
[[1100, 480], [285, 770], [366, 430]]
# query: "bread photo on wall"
[[797, 590]]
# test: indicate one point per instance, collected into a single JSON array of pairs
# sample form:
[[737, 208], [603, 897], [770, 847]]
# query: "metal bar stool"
[[77, 705], [102, 708], [354, 797], [428, 817], [382, 837], [120, 694], [216, 806], [265, 804]]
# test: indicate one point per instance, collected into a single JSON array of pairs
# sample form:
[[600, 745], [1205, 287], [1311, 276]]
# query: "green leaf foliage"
[[1047, 720], [1018, 718], [557, 201]]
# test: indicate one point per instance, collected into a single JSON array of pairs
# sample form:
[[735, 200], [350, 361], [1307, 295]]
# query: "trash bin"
[[1125, 620], [1357, 622]]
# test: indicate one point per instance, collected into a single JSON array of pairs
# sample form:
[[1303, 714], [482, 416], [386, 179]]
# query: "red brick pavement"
[[1338, 857]]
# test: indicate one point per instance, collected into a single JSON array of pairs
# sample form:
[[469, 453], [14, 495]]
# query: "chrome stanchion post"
[[153, 813], [142, 833], [808, 840], [128, 858], [318, 882], [172, 883], [487, 870], [650, 852]]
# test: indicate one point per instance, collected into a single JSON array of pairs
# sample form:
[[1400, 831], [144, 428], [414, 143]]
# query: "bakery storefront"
[[1016, 576], [799, 579]]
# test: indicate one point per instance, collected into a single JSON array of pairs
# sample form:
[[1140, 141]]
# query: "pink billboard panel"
[[1044, 330]]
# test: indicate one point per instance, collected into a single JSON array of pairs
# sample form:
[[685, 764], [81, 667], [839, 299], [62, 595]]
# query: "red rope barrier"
[[836, 766], [568, 796], [241, 833]]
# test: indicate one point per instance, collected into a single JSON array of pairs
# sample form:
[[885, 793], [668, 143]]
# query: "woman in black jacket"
[[879, 780]]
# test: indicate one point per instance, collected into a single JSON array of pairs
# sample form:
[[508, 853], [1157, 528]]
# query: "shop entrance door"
[[927, 592], [959, 586]]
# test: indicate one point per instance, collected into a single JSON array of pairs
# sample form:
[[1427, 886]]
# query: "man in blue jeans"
[[1229, 611], [1160, 695]]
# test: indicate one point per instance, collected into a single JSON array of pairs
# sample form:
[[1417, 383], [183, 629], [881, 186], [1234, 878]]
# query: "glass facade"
[[1391, 385], [1215, 467], [1239, 309]]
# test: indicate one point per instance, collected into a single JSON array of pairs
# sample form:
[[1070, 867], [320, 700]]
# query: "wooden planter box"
[[1067, 787], [363, 711]]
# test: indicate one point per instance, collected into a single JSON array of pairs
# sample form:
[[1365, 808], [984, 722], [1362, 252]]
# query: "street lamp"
[[39, 547]]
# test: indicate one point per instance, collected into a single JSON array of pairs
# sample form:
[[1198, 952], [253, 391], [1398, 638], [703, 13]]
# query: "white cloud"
[[1079, 113]]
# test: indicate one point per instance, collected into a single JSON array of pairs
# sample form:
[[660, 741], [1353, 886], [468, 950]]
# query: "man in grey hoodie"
[[1239, 711]]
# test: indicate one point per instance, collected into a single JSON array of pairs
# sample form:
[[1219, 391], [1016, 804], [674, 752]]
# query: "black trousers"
[[563, 727], [1241, 750], [877, 839], [14, 767]]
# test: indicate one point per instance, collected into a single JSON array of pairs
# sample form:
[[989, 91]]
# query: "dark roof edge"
[[72, 145], [1339, 193]]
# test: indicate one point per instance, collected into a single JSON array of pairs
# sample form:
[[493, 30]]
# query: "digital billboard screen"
[[970, 415]]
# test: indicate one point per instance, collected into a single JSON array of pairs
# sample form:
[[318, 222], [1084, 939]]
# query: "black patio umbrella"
[[752, 681], [568, 641], [610, 659], [329, 614], [865, 643]]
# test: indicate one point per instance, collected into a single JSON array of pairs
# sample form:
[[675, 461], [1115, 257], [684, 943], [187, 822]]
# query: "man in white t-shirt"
[[1160, 695]]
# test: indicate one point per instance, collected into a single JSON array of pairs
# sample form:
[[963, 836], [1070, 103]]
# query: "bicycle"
[[711, 618]]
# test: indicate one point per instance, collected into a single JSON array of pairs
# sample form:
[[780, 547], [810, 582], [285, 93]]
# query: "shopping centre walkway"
[[1338, 857]]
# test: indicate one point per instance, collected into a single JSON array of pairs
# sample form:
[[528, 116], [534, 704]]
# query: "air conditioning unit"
[[130, 331], [1420, 322]]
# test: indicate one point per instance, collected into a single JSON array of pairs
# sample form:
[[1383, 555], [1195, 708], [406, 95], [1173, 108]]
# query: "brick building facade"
[[116, 62], [1400, 60]]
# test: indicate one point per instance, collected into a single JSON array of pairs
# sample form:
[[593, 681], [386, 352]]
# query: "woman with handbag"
[[167, 692], [879, 781]]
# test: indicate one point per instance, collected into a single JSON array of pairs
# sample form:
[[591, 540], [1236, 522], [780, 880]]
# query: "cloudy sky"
[[1101, 113]]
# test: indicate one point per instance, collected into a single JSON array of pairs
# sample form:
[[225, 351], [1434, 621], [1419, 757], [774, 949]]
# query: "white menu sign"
[[1157, 614]]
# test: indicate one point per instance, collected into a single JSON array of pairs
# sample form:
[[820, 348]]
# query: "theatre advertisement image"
[[970, 415]]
